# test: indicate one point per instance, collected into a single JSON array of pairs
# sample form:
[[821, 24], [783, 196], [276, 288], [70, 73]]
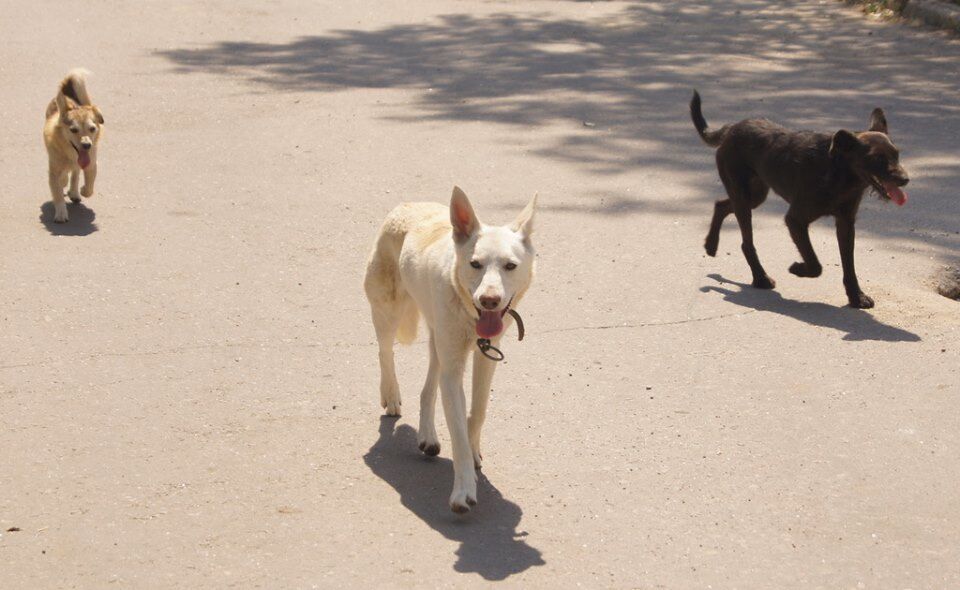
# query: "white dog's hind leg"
[[427, 438], [483, 369], [386, 319], [73, 192], [452, 360], [58, 181]]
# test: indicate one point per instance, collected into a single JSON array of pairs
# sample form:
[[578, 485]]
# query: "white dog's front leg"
[[483, 369], [427, 438], [464, 493]]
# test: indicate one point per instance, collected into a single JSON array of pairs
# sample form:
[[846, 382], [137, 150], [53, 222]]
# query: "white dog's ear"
[[524, 222], [462, 217]]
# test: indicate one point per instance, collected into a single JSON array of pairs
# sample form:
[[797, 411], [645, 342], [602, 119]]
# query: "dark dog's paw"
[[860, 301], [711, 246], [763, 282], [801, 269]]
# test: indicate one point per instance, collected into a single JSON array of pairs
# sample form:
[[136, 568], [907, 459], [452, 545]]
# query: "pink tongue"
[[896, 195], [83, 158], [490, 324]]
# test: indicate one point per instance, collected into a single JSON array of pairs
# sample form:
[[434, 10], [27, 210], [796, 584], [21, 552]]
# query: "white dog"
[[463, 277]]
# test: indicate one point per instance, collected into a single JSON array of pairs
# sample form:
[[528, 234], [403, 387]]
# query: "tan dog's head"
[[494, 264], [80, 125]]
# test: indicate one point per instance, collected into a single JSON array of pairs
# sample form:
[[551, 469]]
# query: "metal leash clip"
[[485, 346]]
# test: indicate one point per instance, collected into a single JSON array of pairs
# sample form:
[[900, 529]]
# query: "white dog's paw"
[[60, 214], [390, 399], [461, 501], [392, 407], [86, 191], [74, 196], [477, 459], [428, 443]]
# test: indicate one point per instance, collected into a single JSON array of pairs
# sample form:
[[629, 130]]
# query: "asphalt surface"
[[188, 372]]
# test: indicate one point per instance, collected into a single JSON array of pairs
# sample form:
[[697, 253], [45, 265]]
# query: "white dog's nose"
[[489, 301]]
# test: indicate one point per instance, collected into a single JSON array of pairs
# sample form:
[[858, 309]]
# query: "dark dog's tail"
[[74, 87], [710, 137]]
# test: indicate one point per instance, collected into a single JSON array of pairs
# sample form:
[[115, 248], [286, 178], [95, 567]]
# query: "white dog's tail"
[[74, 86], [394, 310], [409, 319]]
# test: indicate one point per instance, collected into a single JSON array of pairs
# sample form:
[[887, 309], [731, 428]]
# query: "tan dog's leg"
[[72, 192], [89, 175], [483, 369], [58, 181]]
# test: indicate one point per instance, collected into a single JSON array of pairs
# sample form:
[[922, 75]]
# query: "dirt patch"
[[948, 282]]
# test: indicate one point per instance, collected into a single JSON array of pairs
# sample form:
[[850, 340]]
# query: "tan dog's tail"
[[74, 87], [711, 137]]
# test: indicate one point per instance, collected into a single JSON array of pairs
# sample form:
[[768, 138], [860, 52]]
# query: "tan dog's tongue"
[[490, 324], [83, 158], [896, 193]]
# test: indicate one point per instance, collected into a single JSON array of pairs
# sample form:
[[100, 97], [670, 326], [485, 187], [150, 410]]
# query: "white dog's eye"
[[93, 129], [510, 266], [475, 264]]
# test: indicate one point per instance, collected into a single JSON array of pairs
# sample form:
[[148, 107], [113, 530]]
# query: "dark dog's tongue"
[[83, 158], [490, 324], [896, 193]]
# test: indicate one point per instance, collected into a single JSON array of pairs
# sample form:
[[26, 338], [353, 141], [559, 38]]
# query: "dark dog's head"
[[873, 158]]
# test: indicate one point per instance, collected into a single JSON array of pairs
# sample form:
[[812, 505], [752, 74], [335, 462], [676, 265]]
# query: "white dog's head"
[[494, 263]]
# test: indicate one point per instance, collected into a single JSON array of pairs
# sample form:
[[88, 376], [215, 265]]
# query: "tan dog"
[[71, 134]]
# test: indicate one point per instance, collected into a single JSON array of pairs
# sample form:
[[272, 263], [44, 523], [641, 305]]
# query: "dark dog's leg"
[[845, 238], [720, 211], [745, 219], [800, 232]]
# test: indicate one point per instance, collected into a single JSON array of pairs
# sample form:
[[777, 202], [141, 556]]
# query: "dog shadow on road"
[[858, 324], [81, 220], [489, 542]]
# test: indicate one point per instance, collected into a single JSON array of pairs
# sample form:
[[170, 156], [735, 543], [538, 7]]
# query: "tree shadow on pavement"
[[856, 323], [615, 84], [490, 545], [81, 220]]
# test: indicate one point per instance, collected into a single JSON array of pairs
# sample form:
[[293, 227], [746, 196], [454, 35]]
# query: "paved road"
[[188, 380]]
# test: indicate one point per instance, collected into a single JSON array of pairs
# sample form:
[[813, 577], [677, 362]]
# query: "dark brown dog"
[[817, 173]]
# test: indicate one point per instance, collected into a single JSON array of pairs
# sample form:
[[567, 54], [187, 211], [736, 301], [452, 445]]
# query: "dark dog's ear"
[[878, 122], [843, 143], [98, 115]]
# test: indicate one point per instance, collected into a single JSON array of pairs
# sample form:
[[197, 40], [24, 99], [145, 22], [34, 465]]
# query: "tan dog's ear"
[[98, 115], [844, 143], [878, 122], [62, 106], [462, 217], [523, 224]]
